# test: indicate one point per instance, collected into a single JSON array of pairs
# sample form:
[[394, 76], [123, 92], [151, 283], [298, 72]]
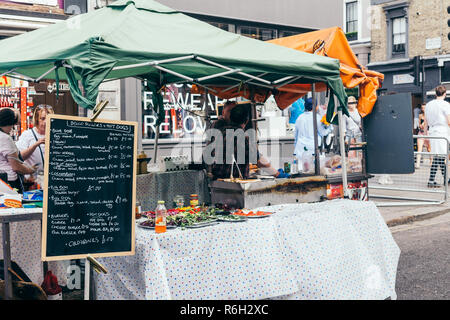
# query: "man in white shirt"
[[437, 114], [304, 132]]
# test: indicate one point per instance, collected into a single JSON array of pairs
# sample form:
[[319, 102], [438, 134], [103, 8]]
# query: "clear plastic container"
[[160, 217], [294, 166], [307, 161]]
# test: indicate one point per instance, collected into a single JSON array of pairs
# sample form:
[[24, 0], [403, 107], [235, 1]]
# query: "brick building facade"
[[410, 46], [426, 20]]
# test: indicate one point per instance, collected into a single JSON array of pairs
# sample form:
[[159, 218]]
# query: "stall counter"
[[338, 249]]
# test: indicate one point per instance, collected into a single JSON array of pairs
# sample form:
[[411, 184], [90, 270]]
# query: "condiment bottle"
[[138, 210], [160, 217], [194, 200]]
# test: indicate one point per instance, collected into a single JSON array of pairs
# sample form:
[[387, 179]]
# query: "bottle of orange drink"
[[160, 217]]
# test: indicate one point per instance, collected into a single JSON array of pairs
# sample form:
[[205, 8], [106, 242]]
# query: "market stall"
[[118, 41]]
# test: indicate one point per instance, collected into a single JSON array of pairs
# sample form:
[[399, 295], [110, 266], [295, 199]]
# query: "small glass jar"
[[178, 201], [138, 213], [193, 200]]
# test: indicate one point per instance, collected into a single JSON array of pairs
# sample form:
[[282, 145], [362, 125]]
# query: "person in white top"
[[9, 154], [352, 123], [304, 133], [417, 111], [437, 114], [31, 142]]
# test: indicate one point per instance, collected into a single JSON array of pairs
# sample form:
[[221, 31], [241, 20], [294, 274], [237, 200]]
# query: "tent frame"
[[254, 80]]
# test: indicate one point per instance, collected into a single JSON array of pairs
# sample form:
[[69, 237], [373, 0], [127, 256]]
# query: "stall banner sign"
[[90, 194], [185, 111]]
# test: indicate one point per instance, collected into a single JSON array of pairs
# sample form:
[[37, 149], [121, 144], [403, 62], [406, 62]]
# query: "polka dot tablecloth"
[[26, 252], [338, 249]]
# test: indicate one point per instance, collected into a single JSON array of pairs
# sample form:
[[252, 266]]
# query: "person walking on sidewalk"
[[423, 131], [437, 114]]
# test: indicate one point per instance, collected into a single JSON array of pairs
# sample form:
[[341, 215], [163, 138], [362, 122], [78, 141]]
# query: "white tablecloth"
[[338, 249], [26, 251]]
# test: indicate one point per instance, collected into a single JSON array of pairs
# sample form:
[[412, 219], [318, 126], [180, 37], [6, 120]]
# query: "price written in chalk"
[[91, 170]]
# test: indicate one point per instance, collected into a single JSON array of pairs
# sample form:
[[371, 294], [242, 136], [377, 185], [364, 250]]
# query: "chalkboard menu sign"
[[89, 194]]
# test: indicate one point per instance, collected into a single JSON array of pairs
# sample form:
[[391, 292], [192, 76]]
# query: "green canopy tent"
[[149, 41], [142, 38]]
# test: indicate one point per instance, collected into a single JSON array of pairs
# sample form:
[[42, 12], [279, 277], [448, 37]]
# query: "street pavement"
[[423, 271]]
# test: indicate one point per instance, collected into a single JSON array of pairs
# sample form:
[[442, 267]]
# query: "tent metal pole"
[[342, 148], [1, 75], [18, 77], [228, 68], [174, 73], [44, 74], [152, 63], [283, 79], [237, 85], [207, 88], [217, 75], [248, 81], [315, 130], [24, 77], [287, 82], [155, 152], [196, 83]]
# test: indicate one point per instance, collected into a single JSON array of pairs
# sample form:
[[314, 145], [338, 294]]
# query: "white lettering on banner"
[[149, 121], [182, 99]]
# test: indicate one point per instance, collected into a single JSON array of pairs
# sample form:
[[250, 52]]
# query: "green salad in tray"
[[182, 217], [193, 217]]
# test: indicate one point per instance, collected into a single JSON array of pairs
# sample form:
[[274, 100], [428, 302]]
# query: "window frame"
[[392, 12], [347, 21], [398, 34]]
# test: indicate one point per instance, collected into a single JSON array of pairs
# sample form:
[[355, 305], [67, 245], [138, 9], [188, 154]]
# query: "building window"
[[398, 35], [397, 29], [223, 26], [258, 33], [351, 20]]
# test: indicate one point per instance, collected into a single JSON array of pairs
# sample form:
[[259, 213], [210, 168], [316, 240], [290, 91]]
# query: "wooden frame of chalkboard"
[[90, 176]]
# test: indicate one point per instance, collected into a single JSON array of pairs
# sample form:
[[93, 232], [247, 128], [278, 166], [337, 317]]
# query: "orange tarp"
[[333, 43], [284, 96]]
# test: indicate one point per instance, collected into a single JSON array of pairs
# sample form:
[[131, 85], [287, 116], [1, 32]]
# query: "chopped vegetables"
[[189, 216]]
